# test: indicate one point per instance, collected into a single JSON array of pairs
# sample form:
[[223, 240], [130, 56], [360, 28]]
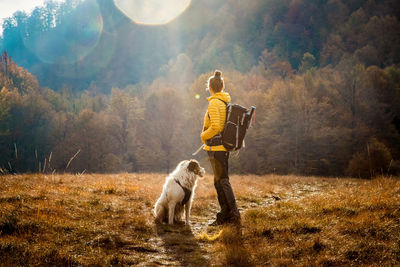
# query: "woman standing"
[[214, 122]]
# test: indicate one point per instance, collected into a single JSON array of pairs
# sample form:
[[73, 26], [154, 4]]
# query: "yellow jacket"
[[214, 119]]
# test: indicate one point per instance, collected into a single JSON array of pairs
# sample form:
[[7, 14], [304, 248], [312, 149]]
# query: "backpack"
[[237, 122]]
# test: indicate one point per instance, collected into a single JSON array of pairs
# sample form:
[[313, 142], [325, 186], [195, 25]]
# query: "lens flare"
[[197, 96], [152, 12], [69, 43], [98, 58]]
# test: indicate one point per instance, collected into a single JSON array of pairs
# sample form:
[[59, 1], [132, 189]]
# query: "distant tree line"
[[83, 89], [327, 121]]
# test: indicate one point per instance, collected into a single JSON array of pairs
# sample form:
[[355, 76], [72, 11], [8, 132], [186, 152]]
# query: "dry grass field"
[[77, 220]]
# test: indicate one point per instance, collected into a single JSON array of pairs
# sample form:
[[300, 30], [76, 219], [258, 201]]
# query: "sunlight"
[[63, 48], [9, 7], [152, 12]]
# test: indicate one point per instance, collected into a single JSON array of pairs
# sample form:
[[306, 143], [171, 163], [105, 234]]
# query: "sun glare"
[[152, 12]]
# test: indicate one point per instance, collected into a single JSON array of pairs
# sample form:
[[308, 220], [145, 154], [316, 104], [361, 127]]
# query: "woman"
[[214, 122]]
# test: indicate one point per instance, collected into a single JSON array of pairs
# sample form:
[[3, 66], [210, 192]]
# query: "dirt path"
[[177, 245]]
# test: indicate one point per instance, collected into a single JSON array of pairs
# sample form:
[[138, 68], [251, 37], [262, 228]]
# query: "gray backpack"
[[237, 122]]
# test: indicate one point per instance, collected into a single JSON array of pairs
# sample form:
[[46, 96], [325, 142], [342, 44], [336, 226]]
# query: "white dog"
[[178, 192]]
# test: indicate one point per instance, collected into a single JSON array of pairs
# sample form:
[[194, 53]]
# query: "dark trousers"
[[226, 198]]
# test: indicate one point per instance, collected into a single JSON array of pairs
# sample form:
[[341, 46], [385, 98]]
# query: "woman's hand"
[[202, 139]]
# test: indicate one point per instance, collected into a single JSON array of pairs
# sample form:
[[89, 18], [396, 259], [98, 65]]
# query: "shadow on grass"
[[180, 243]]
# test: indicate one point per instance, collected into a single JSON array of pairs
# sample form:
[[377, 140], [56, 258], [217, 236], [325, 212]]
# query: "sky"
[[8, 7], [152, 12], [140, 11]]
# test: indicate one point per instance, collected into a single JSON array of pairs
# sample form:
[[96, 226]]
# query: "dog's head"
[[195, 167]]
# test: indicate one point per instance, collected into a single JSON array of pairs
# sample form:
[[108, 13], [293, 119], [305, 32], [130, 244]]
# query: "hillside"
[[93, 219], [81, 80], [81, 43]]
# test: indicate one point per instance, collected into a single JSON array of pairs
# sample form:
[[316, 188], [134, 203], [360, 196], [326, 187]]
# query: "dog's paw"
[[178, 222]]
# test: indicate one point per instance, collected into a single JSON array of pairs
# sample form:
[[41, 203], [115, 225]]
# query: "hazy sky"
[[8, 7]]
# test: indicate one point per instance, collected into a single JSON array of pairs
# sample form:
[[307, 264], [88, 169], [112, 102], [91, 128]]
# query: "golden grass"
[[209, 238], [94, 219], [71, 219], [354, 223]]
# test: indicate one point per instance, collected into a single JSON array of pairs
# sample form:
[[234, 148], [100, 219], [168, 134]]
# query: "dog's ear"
[[193, 166]]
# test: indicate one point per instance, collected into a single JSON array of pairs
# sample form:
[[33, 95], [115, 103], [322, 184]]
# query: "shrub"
[[9, 224], [394, 167], [374, 159]]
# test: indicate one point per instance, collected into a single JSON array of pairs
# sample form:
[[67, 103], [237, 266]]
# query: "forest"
[[84, 89]]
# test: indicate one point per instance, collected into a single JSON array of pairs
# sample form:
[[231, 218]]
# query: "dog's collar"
[[188, 193]]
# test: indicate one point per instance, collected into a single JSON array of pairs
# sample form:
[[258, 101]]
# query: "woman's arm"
[[215, 121]]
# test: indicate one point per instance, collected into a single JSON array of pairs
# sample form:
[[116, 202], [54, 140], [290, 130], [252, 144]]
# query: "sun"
[[152, 12]]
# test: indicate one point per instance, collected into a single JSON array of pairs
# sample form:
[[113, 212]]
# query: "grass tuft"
[[236, 253], [9, 224], [206, 238], [110, 190]]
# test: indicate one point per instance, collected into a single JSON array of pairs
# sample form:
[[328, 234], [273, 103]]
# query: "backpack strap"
[[216, 140], [226, 103]]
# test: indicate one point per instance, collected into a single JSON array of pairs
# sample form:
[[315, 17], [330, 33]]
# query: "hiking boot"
[[234, 220], [222, 216], [215, 223], [220, 220]]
